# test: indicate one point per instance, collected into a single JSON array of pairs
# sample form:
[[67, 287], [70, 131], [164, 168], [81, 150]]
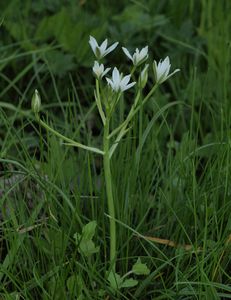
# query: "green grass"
[[171, 173]]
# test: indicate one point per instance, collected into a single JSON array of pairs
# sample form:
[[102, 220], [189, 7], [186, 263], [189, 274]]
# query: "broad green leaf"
[[88, 230], [87, 247], [140, 268], [74, 284], [129, 283], [115, 280], [84, 240]]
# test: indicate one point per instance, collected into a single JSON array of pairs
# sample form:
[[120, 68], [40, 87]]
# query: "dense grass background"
[[171, 173]]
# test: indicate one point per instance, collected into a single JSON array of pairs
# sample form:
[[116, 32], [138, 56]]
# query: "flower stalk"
[[69, 142], [109, 191]]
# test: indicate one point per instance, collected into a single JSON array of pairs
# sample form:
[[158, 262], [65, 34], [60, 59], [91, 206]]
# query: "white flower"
[[119, 83], [138, 57], [161, 71], [99, 70], [101, 51]]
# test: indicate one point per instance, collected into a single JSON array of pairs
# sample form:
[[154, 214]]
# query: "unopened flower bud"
[[36, 102], [143, 77]]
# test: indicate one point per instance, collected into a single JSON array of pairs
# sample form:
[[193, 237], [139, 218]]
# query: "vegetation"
[[170, 173]]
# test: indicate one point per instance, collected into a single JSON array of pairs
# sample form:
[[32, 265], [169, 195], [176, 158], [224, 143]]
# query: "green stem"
[[68, 140], [127, 118], [98, 102], [110, 200], [134, 109]]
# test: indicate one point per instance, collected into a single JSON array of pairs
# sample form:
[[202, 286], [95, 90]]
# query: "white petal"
[[109, 81], [111, 48], [162, 75], [142, 53], [145, 49], [125, 80], [101, 68], [93, 43], [162, 67], [158, 65], [127, 53], [115, 76], [167, 69], [95, 67], [103, 46], [124, 88], [166, 60], [135, 57], [105, 72], [175, 71], [96, 64]]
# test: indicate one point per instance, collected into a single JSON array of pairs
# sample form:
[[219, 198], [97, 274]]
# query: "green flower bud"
[[36, 102], [143, 77]]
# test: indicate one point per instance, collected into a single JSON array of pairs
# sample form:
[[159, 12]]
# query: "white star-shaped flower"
[[102, 50], [161, 70], [119, 83], [99, 70], [138, 57]]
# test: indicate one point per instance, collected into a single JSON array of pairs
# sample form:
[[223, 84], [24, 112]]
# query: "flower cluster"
[[120, 83]]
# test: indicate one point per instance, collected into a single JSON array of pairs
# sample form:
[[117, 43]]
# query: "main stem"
[[110, 200]]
